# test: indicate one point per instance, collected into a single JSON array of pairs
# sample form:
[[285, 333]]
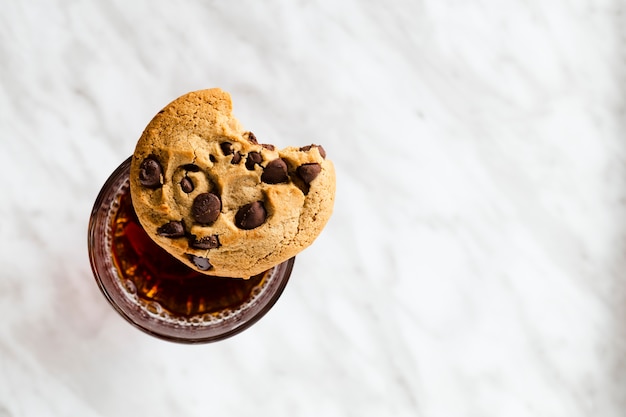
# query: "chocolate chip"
[[150, 173], [191, 167], [319, 148], [275, 172], [268, 146], [251, 215], [201, 263], [253, 159], [227, 148], [173, 229], [206, 208], [236, 158], [252, 138], [212, 158], [308, 172], [207, 242], [186, 185]]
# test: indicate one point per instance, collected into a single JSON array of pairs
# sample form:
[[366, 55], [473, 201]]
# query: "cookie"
[[211, 195]]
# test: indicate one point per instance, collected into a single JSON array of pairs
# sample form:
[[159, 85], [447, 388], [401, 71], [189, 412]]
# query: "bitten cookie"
[[207, 192]]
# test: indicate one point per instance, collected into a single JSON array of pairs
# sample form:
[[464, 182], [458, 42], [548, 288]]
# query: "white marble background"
[[475, 264]]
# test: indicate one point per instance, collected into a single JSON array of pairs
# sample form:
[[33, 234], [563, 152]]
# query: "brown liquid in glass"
[[159, 277]]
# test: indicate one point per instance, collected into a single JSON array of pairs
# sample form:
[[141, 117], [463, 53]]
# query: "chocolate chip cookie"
[[210, 194]]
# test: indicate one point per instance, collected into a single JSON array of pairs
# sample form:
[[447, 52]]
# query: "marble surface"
[[475, 263]]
